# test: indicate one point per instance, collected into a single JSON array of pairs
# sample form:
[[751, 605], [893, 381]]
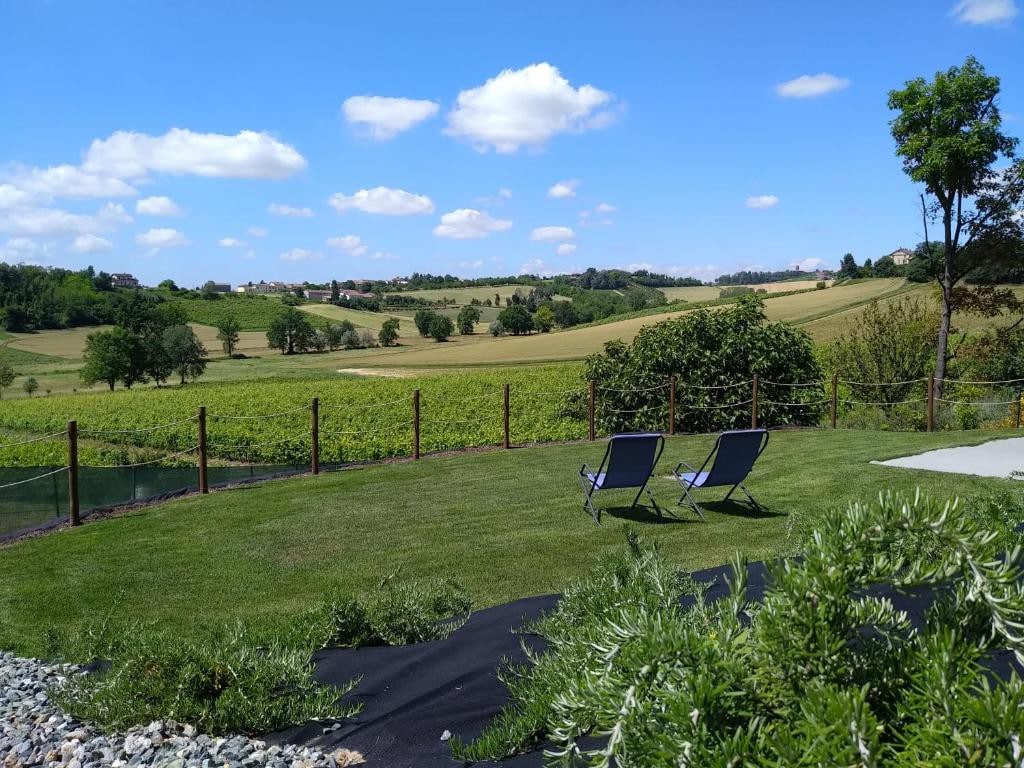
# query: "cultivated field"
[[707, 292]]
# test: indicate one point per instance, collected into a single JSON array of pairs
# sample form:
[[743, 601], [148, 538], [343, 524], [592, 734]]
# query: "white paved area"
[[996, 458]]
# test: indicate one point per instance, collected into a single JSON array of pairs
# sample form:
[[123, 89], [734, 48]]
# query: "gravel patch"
[[35, 732]]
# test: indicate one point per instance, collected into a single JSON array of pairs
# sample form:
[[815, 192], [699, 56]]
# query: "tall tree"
[[290, 332], [6, 375], [227, 334], [948, 133], [185, 351], [848, 266], [107, 357]]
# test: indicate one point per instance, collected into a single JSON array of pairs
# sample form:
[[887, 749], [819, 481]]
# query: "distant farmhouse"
[[123, 280], [315, 294], [901, 257], [220, 287], [264, 288]]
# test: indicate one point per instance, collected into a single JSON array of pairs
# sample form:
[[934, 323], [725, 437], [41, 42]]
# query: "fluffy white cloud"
[[382, 200], [301, 254], [158, 205], [246, 155], [476, 264], [230, 242], [564, 189], [353, 245], [566, 249], [525, 107], [984, 11], [68, 181], [807, 265], [11, 196], [256, 232], [810, 86], [383, 117], [53, 221], [762, 201], [552, 234], [91, 244], [161, 237], [535, 267], [605, 208], [25, 250], [469, 224], [286, 210]]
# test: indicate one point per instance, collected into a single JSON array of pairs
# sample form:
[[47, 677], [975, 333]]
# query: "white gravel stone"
[[34, 732]]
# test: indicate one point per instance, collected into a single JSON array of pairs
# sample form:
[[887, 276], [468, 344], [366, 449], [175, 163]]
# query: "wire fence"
[[197, 452]]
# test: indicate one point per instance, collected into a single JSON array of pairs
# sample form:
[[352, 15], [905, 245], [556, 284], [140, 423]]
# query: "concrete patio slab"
[[996, 458]]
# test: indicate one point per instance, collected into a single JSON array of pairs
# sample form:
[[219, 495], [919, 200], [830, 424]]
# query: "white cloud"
[[525, 107], [605, 208], [353, 245], [383, 117], [984, 11], [552, 234], [762, 201], [161, 237], [383, 256], [286, 210], [505, 193], [807, 265], [566, 249], [301, 254], [53, 221], [91, 244], [470, 264], [11, 196], [256, 232], [69, 181], [246, 155], [230, 242], [469, 224], [811, 86], [382, 200], [564, 189], [158, 205], [25, 250], [535, 267]]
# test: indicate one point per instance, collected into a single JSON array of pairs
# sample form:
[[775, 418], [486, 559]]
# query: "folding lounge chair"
[[734, 455], [628, 462]]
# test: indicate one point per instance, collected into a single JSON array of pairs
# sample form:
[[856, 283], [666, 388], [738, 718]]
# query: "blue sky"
[[241, 141]]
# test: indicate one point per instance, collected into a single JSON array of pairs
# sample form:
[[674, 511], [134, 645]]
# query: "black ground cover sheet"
[[412, 694]]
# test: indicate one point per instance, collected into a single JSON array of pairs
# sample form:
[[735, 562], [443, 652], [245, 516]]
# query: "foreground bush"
[[225, 685], [825, 671]]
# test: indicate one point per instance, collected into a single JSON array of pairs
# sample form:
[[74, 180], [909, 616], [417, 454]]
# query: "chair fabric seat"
[[596, 481], [695, 479]]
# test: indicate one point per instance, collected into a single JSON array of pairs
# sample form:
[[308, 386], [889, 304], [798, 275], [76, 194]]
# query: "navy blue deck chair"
[[733, 457], [628, 462]]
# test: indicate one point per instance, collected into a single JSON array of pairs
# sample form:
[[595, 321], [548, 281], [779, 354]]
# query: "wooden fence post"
[[931, 402], [416, 424], [508, 441], [73, 511], [204, 486], [672, 405], [590, 412], [753, 405], [835, 398], [314, 452], [1020, 397]]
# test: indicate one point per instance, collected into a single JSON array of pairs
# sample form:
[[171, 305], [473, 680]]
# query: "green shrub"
[[824, 671], [228, 684], [399, 613]]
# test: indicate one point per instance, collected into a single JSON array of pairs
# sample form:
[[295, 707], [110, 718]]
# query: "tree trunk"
[[946, 319]]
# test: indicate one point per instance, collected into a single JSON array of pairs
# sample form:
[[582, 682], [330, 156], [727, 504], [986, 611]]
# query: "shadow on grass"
[[647, 514], [738, 509]]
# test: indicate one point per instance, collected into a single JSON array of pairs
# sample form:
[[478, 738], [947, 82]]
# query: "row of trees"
[[291, 332]]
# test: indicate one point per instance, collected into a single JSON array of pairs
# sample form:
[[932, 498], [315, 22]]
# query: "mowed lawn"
[[506, 524]]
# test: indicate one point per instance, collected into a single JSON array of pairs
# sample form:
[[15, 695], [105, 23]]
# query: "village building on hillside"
[[123, 280], [262, 288], [901, 257], [316, 294]]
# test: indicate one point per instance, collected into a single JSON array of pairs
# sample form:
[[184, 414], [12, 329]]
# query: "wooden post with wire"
[[508, 440], [416, 424], [672, 405], [204, 485], [590, 411], [1020, 401], [835, 398], [314, 433], [931, 403], [73, 511], [753, 404]]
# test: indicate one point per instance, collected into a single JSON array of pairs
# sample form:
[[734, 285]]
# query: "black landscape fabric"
[[412, 694]]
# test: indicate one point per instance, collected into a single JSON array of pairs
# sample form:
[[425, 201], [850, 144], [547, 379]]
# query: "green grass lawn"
[[507, 524]]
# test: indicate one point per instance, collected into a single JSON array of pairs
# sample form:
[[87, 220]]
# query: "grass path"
[[506, 523]]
